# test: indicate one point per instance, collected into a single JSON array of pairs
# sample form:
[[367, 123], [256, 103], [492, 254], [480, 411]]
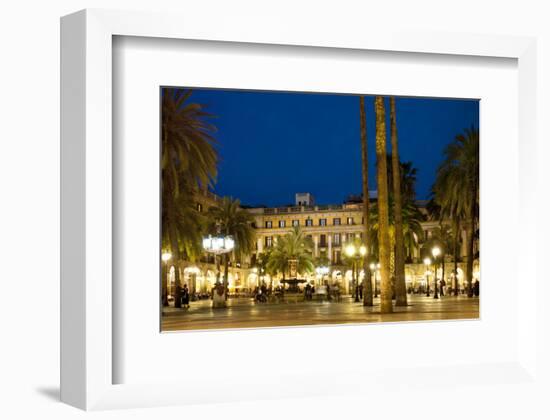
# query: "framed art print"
[[250, 216], [241, 254]]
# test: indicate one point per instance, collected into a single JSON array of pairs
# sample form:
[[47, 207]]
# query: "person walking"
[[185, 296]]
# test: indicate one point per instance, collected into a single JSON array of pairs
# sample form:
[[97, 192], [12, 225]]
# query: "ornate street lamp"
[[427, 263], [356, 253], [218, 245], [436, 252]]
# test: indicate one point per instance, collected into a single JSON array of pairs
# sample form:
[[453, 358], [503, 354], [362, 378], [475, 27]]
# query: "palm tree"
[[400, 288], [412, 219], [231, 220], [457, 189], [407, 179], [183, 227], [442, 237], [292, 246], [367, 293], [187, 142], [188, 157], [261, 264], [383, 210], [444, 206]]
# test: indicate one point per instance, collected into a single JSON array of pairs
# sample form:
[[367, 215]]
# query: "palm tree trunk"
[[367, 285], [226, 276], [164, 282], [455, 256], [400, 287], [176, 258], [470, 242], [442, 272], [383, 211]]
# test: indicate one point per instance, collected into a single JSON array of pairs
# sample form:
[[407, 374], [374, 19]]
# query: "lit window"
[[295, 223], [336, 221], [322, 222], [268, 224], [199, 207], [336, 239], [309, 222], [268, 241], [282, 223], [350, 220]]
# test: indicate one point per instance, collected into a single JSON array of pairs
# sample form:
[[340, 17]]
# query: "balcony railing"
[[301, 209]]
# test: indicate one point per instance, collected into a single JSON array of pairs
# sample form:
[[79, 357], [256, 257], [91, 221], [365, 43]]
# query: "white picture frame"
[[86, 190]]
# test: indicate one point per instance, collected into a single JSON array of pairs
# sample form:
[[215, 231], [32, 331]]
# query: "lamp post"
[[166, 256], [436, 252], [218, 245], [356, 253], [427, 263]]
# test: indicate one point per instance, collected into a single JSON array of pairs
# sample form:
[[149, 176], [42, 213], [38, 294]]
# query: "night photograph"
[[301, 208]]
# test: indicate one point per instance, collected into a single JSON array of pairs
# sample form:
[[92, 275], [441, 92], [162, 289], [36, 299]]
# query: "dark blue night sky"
[[272, 145]]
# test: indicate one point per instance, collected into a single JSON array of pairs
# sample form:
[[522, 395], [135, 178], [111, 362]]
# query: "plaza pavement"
[[245, 313]]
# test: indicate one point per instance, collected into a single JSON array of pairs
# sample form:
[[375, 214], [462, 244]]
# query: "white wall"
[[29, 176]]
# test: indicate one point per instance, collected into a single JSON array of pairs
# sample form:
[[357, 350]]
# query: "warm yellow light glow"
[[363, 250], [218, 244], [372, 266], [322, 270], [436, 252], [350, 250], [166, 256], [192, 270], [427, 261]]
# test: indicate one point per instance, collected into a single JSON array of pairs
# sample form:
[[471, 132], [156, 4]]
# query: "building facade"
[[330, 228]]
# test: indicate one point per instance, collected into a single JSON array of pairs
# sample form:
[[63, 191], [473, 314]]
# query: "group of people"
[[443, 288], [309, 290], [262, 292]]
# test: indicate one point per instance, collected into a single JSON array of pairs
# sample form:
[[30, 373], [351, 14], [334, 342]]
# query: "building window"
[[337, 239], [309, 222], [199, 207], [323, 241], [268, 241], [337, 257], [336, 221], [268, 224], [322, 222], [282, 223], [295, 223], [350, 220]]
